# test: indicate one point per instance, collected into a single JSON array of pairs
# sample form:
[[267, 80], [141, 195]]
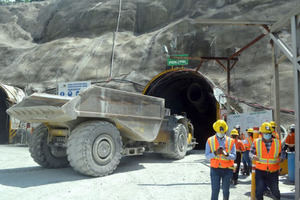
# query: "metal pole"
[[253, 184], [114, 41], [296, 45], [228, 87], [276, 87]]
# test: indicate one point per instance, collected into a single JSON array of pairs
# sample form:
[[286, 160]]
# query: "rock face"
[[43, 43]]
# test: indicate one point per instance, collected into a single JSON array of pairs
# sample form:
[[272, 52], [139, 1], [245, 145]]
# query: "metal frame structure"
[[293, 54], [234, 57]]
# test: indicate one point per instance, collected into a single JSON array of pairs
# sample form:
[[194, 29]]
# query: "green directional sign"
[[178, 61]]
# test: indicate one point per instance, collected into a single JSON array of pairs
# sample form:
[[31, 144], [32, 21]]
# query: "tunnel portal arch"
[[187, 91]]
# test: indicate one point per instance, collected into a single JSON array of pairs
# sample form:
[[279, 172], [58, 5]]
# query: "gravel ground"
[[142, 177]]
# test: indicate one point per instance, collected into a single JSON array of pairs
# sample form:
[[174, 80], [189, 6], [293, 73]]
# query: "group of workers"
[[225, 155]]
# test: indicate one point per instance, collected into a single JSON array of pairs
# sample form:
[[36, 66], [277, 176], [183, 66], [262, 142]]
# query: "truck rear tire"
[[42, 153], [94, 148], [178, 142]]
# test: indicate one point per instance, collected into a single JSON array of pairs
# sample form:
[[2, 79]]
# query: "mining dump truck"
[[92, 131]]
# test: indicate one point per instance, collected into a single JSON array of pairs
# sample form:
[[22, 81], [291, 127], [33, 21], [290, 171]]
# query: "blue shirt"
[[209, 155]]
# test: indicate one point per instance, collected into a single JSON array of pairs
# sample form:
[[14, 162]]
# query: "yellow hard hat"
[[273, 124], [220, 126], [234, 132], [266, 128], [250, 130]]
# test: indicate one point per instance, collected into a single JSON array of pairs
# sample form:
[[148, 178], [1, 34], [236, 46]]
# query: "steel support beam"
[[296, 47], [276, 87], [283, 47], [284, 20], [247, 46], [228, 87]]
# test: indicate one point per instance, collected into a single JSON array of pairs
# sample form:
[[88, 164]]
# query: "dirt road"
[[136, 178]]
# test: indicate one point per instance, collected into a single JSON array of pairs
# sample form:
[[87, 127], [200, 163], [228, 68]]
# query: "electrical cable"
[[114, 41], [259, 106], [53, 90]]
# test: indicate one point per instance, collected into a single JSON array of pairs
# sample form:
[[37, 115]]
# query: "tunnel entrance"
[[190, 92], [4, 118]]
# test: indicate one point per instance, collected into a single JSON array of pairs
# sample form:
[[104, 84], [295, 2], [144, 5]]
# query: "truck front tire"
[[94, 148], [44, 154], [178, 143]]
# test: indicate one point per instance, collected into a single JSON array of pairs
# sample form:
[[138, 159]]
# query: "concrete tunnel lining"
[[190, 92]]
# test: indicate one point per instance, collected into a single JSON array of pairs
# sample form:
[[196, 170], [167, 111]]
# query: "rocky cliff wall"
[[43, 43]]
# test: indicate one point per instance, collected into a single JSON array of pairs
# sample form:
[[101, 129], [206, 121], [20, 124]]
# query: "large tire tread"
[[176, 153], [40, 152], [79, 148]]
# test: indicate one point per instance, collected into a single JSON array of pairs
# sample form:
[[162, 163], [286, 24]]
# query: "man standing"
[[238, 128], [247, 163], [239, 146], [266, 151], [221, 152], [290, 139]]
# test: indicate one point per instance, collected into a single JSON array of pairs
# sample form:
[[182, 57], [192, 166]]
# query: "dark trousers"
[[247, 162], [216, 175], [264, 178], [238, 162]]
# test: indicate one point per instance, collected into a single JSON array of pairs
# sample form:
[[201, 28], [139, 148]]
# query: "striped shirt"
[[268, 147]]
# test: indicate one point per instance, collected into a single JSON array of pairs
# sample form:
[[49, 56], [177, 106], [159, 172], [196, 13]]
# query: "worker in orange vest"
[[290, 139], [239, 146], [247, 163], [238, 128], [274, 133], [266, 151], [220, 150]]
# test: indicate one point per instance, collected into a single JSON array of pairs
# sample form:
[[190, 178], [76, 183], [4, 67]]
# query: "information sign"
[[248, 120], [72, 89], [176, 61]]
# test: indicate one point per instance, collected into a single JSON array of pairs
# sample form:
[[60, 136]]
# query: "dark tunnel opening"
[[190, 92], [4, 118]]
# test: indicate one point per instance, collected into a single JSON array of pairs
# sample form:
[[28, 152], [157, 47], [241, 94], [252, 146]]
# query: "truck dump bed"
[[138, 116]]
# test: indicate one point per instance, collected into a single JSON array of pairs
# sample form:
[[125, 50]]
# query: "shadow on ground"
[[284, 196], [36, 176], [173, 184], [133, 163], [244, 182], [25, 177]]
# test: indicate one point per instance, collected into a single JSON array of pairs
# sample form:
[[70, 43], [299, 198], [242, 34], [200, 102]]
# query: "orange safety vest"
[[221, 161], [248, 145], [268, 161], [275, 134], [239, 145]]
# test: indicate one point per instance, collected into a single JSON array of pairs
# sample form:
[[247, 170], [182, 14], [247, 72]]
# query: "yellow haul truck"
[[93, 130]]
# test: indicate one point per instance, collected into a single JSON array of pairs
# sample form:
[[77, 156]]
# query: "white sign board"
[[15, 123], [72, 89], [248, 120]]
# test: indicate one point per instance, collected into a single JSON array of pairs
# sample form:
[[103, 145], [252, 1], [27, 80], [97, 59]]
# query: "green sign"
[[178, 61]]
